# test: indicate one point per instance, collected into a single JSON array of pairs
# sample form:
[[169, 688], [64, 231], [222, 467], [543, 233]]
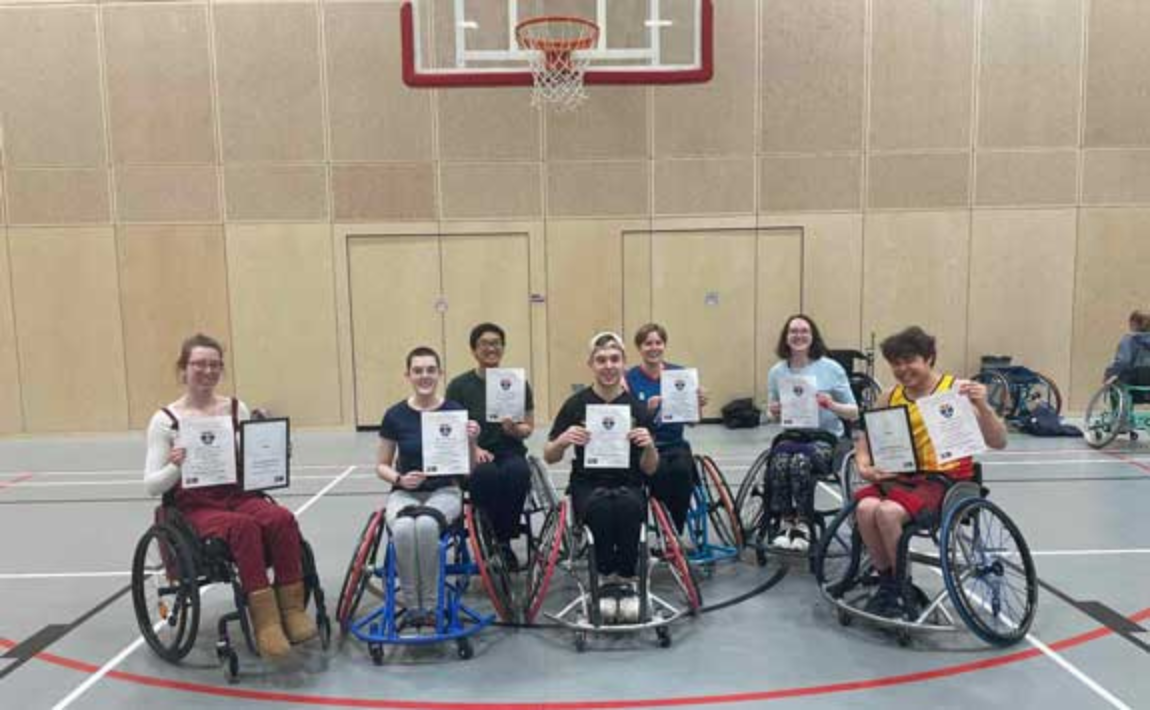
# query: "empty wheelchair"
[[865, 388], [713, 529], [391, 623], [1015, 391], [983, 575], [171, 566], [1113, 409]]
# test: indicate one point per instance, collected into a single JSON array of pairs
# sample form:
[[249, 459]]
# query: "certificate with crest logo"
[[890, 441], [608, 425], [266, 452], [506, 394], [679, 390], [952, 426], [445, 448], [800, 406], [211, 446]]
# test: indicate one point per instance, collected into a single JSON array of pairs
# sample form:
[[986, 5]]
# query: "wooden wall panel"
[[11, 414], [779, 294]]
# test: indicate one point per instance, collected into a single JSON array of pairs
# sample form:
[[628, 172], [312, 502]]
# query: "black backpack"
[[1044, 421], [741, 414]]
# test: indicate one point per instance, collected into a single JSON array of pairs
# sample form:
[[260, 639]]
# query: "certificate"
[[446, 451], [264, 444], [608, 425], [679, 393], [891, 444], [506, 394], [952, 426], [211, 446], [800, 407]]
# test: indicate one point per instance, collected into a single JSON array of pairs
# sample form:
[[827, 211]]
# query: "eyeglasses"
[[210, 365], [493, 344]]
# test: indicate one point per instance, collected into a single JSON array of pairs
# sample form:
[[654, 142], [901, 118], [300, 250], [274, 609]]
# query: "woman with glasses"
[[250, 523], [501, 477]]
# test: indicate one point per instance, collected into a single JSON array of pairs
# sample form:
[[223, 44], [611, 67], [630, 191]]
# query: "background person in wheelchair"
[[610, 501], [419, 507], [1133, 352], [893, 500], [501, 477], [796, 464], [249, 522]]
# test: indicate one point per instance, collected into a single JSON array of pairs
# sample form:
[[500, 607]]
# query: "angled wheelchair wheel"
[[750, 503], [165, 592], [494, 571], [850, 480], [997, 391], [721, 510], [988, 571], [840, 556], [1042, 391], [359, 570], [542, 494], [1106, 415], [672, 554], [549, 546]]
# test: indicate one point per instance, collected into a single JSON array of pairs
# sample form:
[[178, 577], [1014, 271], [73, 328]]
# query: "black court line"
[[45, 637], [1101, 613]]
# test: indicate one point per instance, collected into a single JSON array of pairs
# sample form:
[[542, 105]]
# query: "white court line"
[[1084, 553], [139, 475], [119, 657], [61, 575], [134, 482]]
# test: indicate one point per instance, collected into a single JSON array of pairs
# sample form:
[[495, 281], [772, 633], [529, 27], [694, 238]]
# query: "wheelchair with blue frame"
[[713, 528], [1113, 409], [171, 566], [764, 511], [985, 579], [1015, 391], [467, 548]]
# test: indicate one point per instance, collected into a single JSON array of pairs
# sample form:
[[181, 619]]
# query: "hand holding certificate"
[[446, 450], [799, 402], [211, 446], [506, 394], [890, 441], [679, 390], [952, 426], [265, 454], [608, 424]]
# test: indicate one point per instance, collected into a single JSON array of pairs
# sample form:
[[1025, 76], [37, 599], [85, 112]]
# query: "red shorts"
[[918, 495]]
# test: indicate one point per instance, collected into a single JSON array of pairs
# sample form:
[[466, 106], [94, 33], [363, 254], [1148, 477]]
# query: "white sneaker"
[[783, 539], [800, 537], [608, 609], [629, 605]]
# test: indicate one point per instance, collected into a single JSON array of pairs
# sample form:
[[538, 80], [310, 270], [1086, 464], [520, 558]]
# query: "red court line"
[[760, 696], [19, 479], [1126, 459]]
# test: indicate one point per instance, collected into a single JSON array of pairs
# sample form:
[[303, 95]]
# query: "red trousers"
[[257, 531]]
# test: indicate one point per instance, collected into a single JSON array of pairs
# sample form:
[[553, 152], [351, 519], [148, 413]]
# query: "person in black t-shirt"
[[501, 477], [610, 501]]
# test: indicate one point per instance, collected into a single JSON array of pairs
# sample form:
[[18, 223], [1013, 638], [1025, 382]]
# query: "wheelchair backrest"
[[847, 358]]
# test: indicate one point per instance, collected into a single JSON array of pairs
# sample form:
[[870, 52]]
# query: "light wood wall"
[[979, 167]]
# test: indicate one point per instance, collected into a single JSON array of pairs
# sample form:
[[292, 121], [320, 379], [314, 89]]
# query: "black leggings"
[[500, 488], [674, 482], [615, 516], [793, 470]]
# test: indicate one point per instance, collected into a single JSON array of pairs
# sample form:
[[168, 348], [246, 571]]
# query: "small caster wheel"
[[845, 619], [323, 623], [580, 641], [903, 637], [1133, 436], [376, 652], [464, 649], [664, 635]]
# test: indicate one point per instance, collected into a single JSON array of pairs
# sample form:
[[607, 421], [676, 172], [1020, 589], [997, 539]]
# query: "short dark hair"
[[422, 351], [199, 340], [646, 330], [1140, 321], [906, 344], [478, 331], [818, 346]]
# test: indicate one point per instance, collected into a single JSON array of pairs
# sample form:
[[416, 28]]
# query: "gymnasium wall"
[[980, 167]]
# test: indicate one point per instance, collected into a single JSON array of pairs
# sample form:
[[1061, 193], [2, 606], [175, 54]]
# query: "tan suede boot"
[[269, 633], [298, 625]]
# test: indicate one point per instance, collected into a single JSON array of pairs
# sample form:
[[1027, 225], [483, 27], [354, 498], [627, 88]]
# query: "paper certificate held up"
[[506, 394], [211, 446], [265, 454], [608, 425], [679, 393], [446, 451], [798, 402], [889, 438], [952, 426]]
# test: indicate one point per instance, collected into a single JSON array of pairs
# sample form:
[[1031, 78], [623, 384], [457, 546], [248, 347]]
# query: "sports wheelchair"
[[831, 486], [1111, 410], [987, 573], [1014, 391], [171, 566], [466, 548], [864, 386], [712, 509], [571, 547]]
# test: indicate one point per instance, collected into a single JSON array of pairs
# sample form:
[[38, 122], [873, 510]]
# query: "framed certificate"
[[446, 451], [266, 452], [888, 435], [211, 446]]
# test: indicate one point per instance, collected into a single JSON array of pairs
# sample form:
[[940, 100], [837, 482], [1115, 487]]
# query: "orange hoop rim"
[[550, 45]]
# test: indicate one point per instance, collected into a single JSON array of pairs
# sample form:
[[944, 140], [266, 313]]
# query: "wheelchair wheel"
[[359, 571], [840, 556], [988, 571], [1043, 390], [543, 561], [866, 390], [165, 592], [721, 508], [1106, 415], [542, 494], [997, 391], [493, 569], [850, 480], [750, 503], [672, 554]]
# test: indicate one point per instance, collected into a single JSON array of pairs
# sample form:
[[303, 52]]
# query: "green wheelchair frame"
[[1112, 412]]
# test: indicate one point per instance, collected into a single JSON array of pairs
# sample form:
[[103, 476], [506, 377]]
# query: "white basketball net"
[[556, 59]]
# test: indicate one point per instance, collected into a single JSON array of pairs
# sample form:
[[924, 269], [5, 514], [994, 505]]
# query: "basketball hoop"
[[556, 45]]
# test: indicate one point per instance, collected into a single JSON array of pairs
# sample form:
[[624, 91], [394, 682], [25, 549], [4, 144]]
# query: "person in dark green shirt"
[[501, 477]]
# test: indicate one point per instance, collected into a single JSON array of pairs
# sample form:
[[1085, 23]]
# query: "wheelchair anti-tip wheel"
[[492, 565], [165, 592], [358, 575], [988, 571], [1106, 415]]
